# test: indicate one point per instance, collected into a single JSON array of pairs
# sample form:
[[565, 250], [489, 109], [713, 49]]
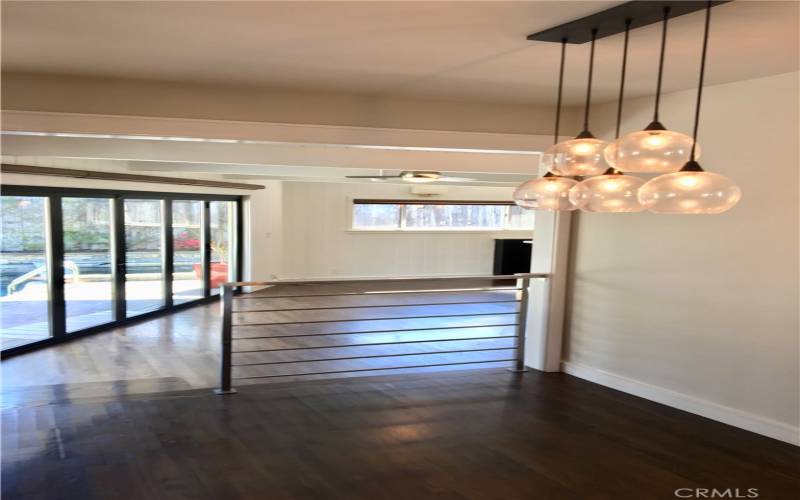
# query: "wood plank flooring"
[[129, 415], [481, 434]]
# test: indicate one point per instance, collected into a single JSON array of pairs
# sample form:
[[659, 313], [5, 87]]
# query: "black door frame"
[[55, 254]]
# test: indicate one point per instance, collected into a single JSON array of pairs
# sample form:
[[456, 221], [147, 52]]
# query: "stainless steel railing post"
[[226, 302], [519, 364]]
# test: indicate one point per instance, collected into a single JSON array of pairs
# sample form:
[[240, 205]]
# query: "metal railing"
[[41, 272], [261, 322]]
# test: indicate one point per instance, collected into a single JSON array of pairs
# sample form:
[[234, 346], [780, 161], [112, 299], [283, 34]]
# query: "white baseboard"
[[731, 416]]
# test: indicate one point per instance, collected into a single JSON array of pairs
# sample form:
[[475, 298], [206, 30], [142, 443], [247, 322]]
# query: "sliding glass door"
[[88, 243], [24, 294], [80, 260], [187, 251], [144, 256], [223, 246]]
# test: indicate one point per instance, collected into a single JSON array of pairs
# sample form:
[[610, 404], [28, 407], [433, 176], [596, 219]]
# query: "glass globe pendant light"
[[612, 192], [654, 149], [549, 192], [582, 155], [691, 190]]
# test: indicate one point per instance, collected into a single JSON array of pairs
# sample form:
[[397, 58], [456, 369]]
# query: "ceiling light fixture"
[[692, 190], [582, 155], [420, 177], [413, 176], [654, 149], [549, 192], [612, 192]]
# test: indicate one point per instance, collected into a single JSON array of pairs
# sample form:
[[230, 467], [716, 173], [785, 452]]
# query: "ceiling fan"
[[414, 176]]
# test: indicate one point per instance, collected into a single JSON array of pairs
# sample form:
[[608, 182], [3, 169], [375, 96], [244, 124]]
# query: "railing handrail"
[[42, 270], [317, 281]]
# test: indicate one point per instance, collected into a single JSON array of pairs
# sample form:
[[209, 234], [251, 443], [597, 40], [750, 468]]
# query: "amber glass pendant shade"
[[580, 156], [612, 192], [690, 191], [653, 150], [548, 193]]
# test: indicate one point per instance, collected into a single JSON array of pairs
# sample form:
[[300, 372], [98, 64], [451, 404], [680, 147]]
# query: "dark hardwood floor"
[[480, 434], [129, 414]]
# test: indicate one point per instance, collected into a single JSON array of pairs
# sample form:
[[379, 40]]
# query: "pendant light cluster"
[[685, 188]]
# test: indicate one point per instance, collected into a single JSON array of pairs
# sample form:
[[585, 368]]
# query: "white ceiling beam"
[[235, 169], [76, 123], [273, 154], [307, 174]]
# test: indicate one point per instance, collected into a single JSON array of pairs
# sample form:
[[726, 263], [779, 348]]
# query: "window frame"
[[55, 254], [403, 228]]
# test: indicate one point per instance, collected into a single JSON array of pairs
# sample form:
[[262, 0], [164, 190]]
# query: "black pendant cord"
[[560, 89], [612, 170], [589, 84], [700, 85], [558, 99], [661, 63], [622, 76]]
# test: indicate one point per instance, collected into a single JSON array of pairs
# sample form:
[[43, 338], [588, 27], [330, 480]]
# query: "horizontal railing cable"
[[357, 370], [326, 308], [393, 330], [373, 356], [304, 348], [375, 319], [375, 293]]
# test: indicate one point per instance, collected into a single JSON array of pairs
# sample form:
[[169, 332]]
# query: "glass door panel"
[[88, 286], [187, 247], [223, 238], [24, 294], [144, 256]]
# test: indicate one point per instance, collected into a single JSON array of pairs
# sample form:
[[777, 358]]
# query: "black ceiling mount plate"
[[612, 21]]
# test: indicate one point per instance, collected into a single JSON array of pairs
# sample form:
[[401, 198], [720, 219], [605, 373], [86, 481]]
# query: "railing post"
[[519, 364], [226, 301]]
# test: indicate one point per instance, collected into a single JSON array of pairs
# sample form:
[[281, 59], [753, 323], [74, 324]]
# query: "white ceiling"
[[451, 50]]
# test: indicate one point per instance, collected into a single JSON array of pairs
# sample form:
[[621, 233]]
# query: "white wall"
[[317, 241], [701, 312]]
